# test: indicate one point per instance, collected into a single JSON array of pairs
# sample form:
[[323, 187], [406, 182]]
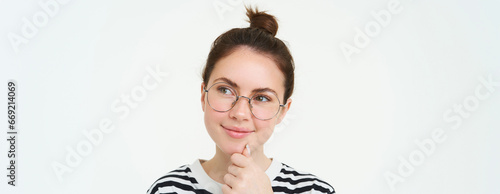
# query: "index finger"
[[239, 160]]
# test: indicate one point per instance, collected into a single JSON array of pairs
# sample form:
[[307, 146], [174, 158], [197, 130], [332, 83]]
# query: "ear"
[[203, 93], [284, 110]]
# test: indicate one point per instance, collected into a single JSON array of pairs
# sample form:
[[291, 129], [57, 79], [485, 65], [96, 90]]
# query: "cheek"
[[265, 130], [212, 118], [212, 122]]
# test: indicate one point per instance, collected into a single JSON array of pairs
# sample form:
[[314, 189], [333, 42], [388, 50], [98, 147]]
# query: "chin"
[[231, 148]]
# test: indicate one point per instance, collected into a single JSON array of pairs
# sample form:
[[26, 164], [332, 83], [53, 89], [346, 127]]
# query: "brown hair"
[[259, 37]]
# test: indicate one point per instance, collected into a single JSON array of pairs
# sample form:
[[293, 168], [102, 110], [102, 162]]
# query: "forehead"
[[249, 70]]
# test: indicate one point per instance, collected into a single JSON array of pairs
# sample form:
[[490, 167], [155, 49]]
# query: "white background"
[[351, 123]]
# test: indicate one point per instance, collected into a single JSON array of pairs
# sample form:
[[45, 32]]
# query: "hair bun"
[[262, 20]]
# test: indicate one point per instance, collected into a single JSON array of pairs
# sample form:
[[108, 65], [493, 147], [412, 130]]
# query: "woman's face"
[[247, 70]]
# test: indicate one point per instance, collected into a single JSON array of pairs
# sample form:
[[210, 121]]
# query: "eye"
[[262, 98], [225, 90]]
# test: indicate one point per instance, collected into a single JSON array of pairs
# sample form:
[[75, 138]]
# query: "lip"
[[237, 132]]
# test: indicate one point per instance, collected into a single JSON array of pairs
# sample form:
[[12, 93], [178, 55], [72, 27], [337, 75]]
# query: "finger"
[[229, 179], [239, 160], [234, 170], [226, 189], [247, 152]]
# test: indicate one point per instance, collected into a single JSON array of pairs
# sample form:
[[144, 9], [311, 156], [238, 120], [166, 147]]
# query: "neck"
[[216, 167]]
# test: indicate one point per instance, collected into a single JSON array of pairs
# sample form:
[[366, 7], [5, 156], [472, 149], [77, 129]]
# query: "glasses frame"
[[238, 98]]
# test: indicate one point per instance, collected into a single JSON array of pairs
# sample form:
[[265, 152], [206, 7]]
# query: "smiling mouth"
[[237, 133]]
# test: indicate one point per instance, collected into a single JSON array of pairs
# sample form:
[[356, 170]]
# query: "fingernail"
[[248, 148]]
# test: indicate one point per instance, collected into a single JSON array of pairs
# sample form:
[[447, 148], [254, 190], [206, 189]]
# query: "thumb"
[[247, 152]]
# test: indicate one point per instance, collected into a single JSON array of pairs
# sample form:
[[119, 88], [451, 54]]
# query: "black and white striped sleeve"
[[291, 181], [176, 181]]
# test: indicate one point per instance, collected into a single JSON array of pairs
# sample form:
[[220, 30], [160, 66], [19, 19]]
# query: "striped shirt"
[[193, 179]]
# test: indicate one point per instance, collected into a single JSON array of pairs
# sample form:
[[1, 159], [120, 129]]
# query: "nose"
[[241, 109]]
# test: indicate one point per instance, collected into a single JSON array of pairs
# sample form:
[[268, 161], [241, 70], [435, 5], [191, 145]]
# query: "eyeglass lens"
[[263, 105]]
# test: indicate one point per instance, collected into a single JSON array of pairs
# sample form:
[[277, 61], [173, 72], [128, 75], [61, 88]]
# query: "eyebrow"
[[234, 85], [225, 79]]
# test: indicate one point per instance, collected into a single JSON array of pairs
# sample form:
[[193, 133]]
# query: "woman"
[[247, 83]]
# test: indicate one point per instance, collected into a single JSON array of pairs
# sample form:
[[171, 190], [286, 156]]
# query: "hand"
[[245, 176]]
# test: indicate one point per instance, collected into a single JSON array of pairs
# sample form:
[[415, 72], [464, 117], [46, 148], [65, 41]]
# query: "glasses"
[[264, 105]]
